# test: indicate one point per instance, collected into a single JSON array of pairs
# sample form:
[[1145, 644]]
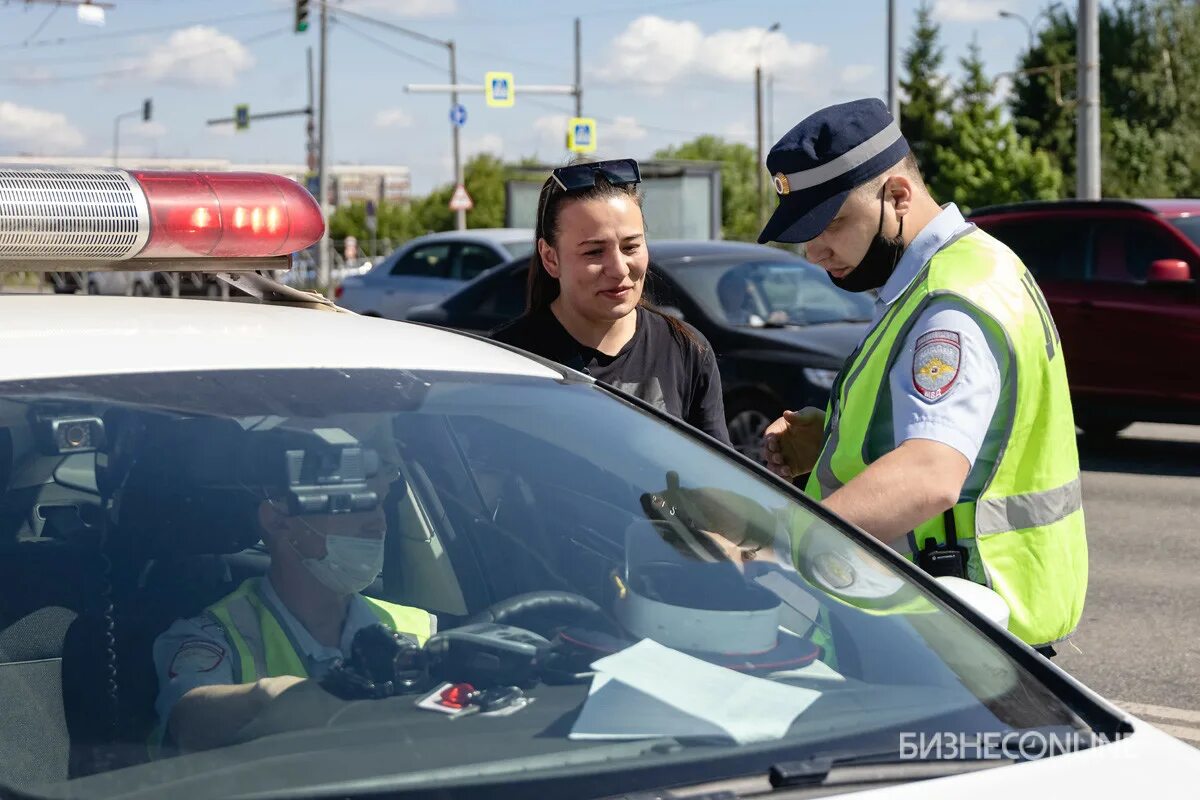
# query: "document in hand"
[[649, 690]]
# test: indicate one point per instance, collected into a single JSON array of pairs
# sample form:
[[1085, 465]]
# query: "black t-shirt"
[[657, 365]]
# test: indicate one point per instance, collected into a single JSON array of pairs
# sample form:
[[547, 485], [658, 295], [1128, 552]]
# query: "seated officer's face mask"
[[879, 262], [351, 563]]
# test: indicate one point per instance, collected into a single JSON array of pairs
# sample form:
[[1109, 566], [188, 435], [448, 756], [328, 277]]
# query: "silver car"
[[430, 268]]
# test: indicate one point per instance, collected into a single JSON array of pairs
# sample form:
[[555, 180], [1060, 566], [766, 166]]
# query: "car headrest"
[[176, 487]]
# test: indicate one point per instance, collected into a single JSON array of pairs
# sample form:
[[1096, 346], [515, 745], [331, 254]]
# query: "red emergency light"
[[227, 214], [50, 213]]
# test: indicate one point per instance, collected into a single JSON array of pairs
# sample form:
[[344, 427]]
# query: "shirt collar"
[[923, 247], [358, 616]]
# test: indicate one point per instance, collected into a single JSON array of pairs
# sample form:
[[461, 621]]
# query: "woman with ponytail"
[[586, 308]]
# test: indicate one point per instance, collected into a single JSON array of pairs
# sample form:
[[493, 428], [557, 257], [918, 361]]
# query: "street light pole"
[[758, 126], [1087, 134], [893, 74], [323, 150], [460, 215], [1028, 26]]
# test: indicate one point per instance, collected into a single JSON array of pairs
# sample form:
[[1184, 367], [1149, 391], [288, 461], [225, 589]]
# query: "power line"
[[611, 121], [133, 32], [139, 67], [440, 68], [44, 23]]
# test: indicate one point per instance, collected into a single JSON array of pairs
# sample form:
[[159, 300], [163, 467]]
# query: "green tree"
[[926, 107], [739, 181], [984, 161], [1149, 96]]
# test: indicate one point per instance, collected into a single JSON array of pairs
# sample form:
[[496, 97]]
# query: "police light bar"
[[103, 217]]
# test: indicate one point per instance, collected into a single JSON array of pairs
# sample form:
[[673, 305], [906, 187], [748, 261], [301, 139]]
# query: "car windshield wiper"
[[853, 769]]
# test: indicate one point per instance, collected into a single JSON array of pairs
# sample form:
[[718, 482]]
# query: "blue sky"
[[656, 72]]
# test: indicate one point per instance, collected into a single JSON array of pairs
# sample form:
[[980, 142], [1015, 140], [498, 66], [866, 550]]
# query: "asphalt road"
[[1139, 641]]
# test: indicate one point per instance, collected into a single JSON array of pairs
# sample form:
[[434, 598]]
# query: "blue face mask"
[[351, 563]]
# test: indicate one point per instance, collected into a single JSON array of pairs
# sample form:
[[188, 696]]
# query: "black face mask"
[[878, 264]]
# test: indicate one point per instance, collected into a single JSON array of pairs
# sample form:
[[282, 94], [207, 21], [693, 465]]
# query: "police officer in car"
[[949, 434], [219, 670]]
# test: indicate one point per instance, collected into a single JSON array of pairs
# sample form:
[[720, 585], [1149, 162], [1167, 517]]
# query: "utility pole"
[[761, 170], [144, 112], [893, 92], [1087, 133], [310, 126], [460, 215], [323, 151], [578, 71]]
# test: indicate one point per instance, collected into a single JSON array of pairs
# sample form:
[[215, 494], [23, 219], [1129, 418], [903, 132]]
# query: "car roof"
[[492, 235], [1166, 207], [681, 250], [47, 336]]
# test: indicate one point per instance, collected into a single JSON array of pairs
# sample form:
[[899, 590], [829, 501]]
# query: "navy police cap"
[[817, 163]]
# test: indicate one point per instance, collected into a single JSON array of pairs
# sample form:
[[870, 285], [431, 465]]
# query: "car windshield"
[[1189, 226], [758, 294], [521, 249], [663, 607]]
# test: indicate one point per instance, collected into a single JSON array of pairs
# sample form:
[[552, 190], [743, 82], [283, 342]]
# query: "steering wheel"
[[544, 613]]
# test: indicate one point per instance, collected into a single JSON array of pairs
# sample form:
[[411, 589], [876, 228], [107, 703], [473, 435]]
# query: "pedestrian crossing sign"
[[500, 89], [581, 135]]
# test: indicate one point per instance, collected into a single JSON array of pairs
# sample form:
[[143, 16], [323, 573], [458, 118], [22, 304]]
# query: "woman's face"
[[600, 258]]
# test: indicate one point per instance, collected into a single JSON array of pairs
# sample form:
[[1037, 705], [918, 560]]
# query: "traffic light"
[[146, 108], [301, 16], [241, 117]]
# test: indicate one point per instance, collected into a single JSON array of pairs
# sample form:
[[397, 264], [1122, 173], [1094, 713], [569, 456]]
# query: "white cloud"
[[148, 130], [393, 118], [487, 143], [223, 130], [622, 130], [197, 56], [857, 73], [406, 8], [32, 73], [739, 132], [657, 51], [37, 131], [968, 10]]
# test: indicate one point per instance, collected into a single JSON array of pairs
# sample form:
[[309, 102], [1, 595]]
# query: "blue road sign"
[[458, 115]]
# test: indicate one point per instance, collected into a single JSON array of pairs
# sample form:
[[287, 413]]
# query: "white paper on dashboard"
[[744, 707]]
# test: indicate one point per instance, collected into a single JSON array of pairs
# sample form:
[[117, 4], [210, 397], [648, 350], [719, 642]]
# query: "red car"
[[1121, 280]]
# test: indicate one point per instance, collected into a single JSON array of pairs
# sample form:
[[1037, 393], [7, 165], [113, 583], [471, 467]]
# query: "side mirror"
[[431, 314], [1169, 270], [671, 311], [986, 602]]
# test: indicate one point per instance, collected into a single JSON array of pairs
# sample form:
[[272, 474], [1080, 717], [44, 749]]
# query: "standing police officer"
[[949, 433]]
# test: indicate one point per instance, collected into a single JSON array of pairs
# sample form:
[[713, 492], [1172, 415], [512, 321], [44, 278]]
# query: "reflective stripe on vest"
[[1025, 532], [262, 644]]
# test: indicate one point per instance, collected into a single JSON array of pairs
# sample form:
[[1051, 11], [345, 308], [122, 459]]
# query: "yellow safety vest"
[[261, 645], [1024, 533]]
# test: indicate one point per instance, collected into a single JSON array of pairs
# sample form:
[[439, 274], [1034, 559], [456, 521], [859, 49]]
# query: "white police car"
[[677, 622]]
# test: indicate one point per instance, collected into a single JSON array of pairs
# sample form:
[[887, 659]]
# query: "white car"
[[430, 268], [666, 638]]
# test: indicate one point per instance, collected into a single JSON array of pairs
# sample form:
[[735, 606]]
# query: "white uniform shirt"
[[951, 374], [195, 652]]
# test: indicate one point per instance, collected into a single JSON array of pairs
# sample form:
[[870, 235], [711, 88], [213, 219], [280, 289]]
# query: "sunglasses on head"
[[575, 177]]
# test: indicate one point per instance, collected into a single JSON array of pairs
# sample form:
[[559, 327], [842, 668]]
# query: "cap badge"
[[781, 183]]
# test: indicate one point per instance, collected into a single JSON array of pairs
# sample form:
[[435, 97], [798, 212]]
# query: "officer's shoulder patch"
[[196, 655], [936, 359]]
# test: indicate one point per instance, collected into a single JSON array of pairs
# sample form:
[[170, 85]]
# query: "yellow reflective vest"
[[261, 645], [1024, 533]]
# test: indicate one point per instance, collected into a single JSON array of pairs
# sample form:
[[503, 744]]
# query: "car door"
[[472, 260], [1056, 248], [422, 274], [1145, 333], [497, 300]]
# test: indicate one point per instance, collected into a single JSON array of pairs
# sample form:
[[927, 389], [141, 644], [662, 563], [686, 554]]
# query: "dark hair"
[[542, 288]]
